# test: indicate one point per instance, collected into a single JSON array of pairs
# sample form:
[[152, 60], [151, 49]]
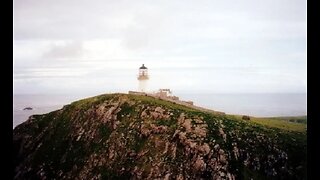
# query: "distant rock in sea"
[[28, 108]]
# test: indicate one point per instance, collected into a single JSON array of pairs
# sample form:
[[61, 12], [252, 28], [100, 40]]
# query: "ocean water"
[[41, 104], [261, 105]]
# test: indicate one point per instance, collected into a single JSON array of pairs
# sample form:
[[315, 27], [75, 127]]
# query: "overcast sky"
[[218, 46]]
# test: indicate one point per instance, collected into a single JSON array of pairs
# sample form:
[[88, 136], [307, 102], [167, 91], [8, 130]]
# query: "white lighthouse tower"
[[143, 78]]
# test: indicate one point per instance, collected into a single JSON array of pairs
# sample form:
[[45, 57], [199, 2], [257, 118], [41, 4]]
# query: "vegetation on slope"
[[120, 136], [296, 124]]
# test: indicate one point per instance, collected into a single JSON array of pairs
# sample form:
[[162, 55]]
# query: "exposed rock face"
[[136, 137]]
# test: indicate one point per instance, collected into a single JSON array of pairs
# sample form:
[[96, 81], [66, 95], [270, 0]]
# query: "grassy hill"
[[121, 136]]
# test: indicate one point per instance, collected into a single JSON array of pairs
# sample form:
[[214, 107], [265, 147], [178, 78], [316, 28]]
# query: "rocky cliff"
[[120, 136]]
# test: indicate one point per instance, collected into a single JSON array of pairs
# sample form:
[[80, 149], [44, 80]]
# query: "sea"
[[259, 105]]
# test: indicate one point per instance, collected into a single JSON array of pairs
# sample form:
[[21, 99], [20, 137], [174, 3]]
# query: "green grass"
[[285, 125], [294, 119], [282, 123]]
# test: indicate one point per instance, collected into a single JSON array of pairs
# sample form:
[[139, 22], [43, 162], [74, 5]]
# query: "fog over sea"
[[261, 105]]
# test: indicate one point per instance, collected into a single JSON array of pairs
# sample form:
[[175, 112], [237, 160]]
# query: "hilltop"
[[122, 136]]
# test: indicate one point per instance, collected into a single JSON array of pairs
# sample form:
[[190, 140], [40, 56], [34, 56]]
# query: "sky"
[[203, 46]]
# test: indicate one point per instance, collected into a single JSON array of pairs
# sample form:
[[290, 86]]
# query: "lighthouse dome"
[[143, 67]]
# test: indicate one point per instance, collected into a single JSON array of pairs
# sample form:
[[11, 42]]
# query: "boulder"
[[246, 117]]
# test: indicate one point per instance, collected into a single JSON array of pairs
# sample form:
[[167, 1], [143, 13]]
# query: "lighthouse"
[[143, 78]]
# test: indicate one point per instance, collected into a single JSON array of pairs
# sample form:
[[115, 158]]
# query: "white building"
[[143, 78]]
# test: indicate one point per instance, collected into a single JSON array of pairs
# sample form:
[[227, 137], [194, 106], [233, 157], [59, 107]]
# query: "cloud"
[[72, 49], [227, 42]]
